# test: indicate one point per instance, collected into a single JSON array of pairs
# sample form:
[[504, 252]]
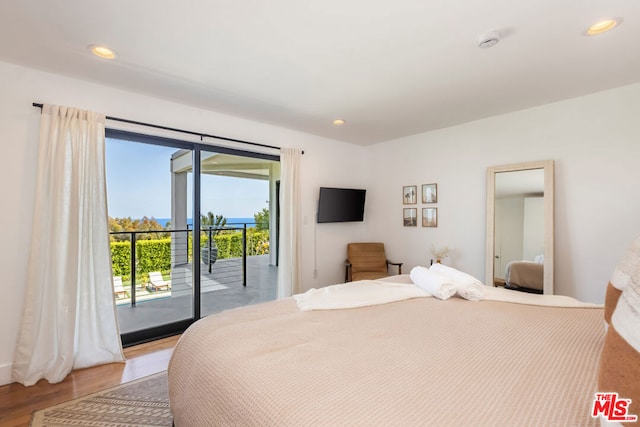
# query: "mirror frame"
[[548, 167]]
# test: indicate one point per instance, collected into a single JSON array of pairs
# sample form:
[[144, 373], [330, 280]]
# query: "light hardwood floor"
[[18, 402]]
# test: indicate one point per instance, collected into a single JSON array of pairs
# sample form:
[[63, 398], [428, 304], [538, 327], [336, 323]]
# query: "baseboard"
[[5, 373]]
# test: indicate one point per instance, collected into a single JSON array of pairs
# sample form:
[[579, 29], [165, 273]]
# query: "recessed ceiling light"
[[102, 51], [338, 122], [603, 26]]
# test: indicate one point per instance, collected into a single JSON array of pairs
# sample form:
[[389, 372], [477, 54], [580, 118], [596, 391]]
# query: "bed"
[[386, 352], [510, 359]]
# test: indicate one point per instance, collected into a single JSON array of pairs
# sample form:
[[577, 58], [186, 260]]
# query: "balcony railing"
[[170, 252]]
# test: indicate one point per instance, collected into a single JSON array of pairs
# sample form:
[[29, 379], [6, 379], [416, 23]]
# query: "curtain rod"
[[200, 134]]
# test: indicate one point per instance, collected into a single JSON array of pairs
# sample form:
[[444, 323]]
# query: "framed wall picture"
[[410, 217], [429, 217], [429, 193], [410, 194]]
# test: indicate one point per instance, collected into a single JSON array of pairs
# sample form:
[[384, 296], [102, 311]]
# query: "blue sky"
[[139, 184]]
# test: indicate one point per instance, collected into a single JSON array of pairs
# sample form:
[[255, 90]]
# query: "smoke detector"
[[488, 40]]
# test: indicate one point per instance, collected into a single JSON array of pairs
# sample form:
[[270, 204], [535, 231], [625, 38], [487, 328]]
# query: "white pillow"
[[627, 266]]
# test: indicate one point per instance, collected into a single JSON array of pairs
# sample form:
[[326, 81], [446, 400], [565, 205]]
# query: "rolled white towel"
[[468, 287], [436, 284], [470, 291]]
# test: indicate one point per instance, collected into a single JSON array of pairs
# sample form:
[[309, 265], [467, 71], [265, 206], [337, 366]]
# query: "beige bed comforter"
[[420, 362]]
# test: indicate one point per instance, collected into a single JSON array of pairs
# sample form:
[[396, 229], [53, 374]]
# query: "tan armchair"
[[367, 261]]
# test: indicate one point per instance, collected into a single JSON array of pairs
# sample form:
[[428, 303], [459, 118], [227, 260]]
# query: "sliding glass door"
[[190, 231], [238, 264], [150, 242]]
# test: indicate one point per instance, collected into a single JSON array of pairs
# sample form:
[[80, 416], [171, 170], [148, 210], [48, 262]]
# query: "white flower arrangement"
[[440, 253]]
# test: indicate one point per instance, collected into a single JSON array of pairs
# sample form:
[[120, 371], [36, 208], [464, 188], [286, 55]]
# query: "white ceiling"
[[389, 68]]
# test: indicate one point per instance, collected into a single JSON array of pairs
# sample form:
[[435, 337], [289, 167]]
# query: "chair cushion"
[[367, 257]]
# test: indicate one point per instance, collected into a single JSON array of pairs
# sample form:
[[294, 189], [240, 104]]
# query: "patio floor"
[[221, 290]]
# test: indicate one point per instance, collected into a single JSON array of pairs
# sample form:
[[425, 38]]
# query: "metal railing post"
[[209, 243], [244, 255], [133, 269]]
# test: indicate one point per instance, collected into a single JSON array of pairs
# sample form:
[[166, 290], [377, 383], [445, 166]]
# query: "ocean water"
[[230, 221]]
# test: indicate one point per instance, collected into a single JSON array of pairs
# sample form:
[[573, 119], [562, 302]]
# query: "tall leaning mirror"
[[520, 226]]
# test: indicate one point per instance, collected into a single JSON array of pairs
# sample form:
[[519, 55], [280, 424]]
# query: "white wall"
[[533, 228], [325, 162], [595, 142]]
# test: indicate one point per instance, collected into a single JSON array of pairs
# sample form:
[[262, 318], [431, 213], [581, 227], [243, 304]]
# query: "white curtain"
[[69, 318], [289, 277]]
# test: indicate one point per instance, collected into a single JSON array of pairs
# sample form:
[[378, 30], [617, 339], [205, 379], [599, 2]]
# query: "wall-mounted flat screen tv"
[[341, 205]]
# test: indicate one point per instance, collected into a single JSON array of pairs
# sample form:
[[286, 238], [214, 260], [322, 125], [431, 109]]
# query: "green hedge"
[[155, 255], [230, 244], [121, 258]]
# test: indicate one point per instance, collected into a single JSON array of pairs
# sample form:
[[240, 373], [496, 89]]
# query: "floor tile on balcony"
[[222, 289]]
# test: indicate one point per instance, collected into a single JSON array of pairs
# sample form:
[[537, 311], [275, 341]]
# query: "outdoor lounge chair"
[[157, 282], [118, 289]]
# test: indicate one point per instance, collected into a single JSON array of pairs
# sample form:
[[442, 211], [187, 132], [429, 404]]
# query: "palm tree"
[[214, 224]]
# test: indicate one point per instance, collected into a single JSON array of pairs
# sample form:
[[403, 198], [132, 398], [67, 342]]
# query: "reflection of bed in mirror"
[[525, 276]]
